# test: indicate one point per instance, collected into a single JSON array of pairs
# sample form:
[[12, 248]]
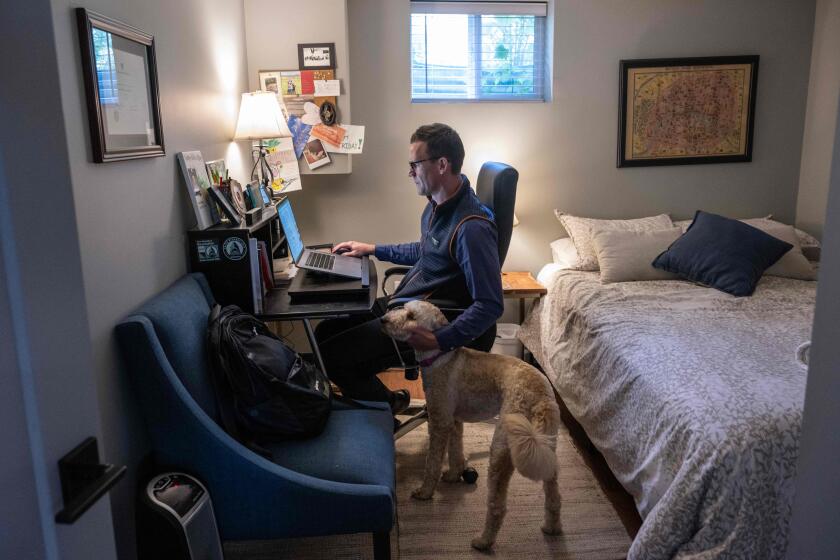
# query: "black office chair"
[[496, 188]]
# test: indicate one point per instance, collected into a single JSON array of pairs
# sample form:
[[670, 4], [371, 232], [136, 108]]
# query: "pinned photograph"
[[315, 154], [330, 134], [270, 84]]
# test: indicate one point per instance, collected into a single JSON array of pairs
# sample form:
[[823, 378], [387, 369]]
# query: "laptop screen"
[[287, 219]]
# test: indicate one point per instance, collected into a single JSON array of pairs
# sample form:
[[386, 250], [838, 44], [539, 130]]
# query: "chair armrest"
[[445, 305], [393, 271]]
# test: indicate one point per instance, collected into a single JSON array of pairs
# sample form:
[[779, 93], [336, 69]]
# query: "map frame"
[[673, 141]]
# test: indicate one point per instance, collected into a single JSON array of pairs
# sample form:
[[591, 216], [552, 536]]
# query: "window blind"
[[475, 51]]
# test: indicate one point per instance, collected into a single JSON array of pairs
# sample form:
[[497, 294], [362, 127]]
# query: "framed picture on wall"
[[316, 56], [121, 86], [677, 111]]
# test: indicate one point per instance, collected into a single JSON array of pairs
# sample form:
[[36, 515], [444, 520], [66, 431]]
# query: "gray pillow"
[[626, 256]]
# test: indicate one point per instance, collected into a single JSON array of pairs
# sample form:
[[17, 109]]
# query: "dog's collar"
[[429, 361]]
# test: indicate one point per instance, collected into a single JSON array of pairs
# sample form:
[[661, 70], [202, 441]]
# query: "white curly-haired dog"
[[470, 386]]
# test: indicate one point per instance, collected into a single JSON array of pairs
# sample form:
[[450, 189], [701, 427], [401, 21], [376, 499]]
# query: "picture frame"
[[224, 204], [197, 182], [216, 170], [121, 88], [680, 111], [316, 56]]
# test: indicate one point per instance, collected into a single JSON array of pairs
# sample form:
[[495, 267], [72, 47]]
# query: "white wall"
[[132, 215], [820, 122], [565, 149]]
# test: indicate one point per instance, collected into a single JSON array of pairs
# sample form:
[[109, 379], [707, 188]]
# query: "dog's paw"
[[555, 529], [481, 543], [422, 494], [452, 475]]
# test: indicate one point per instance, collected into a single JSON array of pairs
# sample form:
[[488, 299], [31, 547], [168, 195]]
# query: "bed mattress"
[[693, 396]]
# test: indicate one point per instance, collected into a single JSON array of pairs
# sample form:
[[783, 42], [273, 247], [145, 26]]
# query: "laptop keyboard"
[[324, 261]]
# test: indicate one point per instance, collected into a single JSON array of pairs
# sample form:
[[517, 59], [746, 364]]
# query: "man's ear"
[[443, 165]]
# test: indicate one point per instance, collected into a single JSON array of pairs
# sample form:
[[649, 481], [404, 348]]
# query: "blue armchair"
[[337, 483]]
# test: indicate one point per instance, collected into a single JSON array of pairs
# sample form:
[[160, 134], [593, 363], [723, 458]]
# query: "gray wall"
[[132, 215], [820, 124], [565, 149]]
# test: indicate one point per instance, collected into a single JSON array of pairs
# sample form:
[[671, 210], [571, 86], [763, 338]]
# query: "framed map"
[[677, 111]]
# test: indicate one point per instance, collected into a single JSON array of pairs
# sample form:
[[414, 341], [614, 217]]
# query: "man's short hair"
[[441, 141]]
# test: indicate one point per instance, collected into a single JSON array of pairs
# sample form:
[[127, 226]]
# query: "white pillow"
[[581, 231], [806, 240], [626, 256], [563, 253], [790, 265], [793, 264]]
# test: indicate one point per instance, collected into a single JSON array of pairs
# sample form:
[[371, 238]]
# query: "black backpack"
[[265, 391]]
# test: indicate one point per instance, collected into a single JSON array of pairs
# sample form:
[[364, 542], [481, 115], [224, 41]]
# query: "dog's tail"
[[532, 447]]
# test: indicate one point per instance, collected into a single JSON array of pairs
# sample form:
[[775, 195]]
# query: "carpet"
[[444, 526]]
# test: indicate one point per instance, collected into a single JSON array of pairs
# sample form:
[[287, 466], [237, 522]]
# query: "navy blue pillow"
[[725, 254]]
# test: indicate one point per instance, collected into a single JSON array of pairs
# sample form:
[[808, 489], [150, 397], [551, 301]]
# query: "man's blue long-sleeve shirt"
[[476, 251]]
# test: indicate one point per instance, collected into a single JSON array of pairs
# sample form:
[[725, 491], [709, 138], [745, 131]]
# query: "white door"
[[48, 401]]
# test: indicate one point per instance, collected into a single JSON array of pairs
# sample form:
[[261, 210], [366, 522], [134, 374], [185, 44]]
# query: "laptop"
[[337, 265]]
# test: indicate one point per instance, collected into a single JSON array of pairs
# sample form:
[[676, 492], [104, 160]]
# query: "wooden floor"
[[621, 501], [395, 379]]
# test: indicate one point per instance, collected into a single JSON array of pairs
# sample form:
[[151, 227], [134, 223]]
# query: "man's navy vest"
[[437, 273]]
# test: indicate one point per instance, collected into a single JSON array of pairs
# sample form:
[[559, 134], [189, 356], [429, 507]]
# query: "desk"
[[277, 306], [521, 285]]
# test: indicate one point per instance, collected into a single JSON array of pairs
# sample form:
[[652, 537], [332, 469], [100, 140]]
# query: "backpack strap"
[[353, 403]]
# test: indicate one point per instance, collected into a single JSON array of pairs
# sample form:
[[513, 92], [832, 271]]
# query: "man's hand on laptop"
[[353, 248]]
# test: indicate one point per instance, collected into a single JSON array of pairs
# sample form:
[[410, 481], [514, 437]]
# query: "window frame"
[[475, 12]]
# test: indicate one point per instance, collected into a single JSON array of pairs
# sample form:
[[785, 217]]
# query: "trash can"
[[176, 520], [507, 342]]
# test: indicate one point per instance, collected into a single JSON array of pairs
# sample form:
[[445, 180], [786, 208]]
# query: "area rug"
[[444, 526]]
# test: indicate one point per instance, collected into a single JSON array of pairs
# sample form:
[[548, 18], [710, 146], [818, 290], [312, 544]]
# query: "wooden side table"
[[522, 285]]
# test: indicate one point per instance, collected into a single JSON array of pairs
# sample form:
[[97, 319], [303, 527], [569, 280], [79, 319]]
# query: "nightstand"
[[522, 285]]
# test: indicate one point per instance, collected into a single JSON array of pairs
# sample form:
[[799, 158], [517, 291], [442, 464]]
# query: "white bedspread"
[[693, 396]]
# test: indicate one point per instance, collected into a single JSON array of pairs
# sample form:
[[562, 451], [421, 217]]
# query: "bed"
[[694, 398]]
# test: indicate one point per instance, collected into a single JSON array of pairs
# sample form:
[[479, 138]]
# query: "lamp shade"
[[260, 117]]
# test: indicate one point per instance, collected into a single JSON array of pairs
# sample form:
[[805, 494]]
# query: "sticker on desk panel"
[[208, 250], [235, 249]]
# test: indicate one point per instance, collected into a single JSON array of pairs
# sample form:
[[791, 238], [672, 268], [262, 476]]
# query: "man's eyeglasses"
[[412, 165]]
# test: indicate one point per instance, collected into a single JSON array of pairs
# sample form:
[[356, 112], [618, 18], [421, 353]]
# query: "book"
[[265, 266], [256, 277], [222, 201], [198, 183]]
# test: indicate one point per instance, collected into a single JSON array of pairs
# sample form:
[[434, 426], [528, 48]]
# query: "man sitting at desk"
[[456, 259]]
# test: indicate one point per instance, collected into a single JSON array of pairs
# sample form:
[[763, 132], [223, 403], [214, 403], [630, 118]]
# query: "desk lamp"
[[260, 117]]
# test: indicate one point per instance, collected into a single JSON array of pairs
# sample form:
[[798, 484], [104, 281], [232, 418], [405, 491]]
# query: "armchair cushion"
[[356, 447]]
